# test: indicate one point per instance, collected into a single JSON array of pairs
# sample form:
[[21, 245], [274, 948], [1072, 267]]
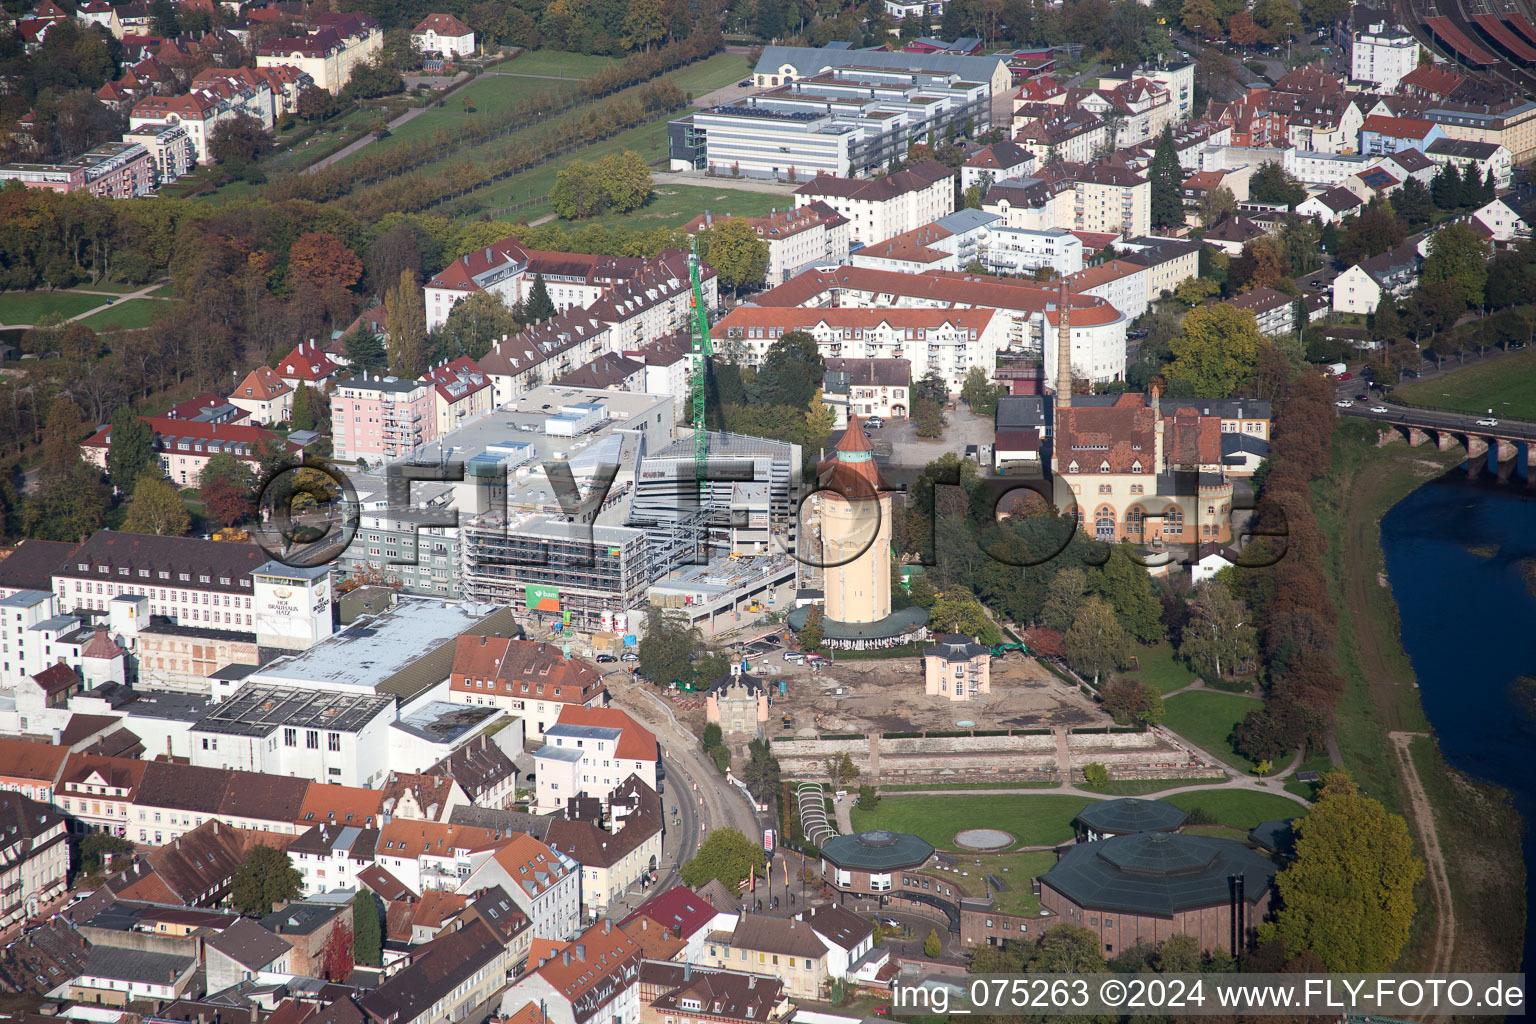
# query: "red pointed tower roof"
[[851, 470]]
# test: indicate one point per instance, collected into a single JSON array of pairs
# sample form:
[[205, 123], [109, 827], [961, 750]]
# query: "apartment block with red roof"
[[796, 238], [432, 855], [309, 364], [99, 792], [950, 341], [462, 392], [545, 885], [591, 752], [596, 978], [185, 446], [530, 679]]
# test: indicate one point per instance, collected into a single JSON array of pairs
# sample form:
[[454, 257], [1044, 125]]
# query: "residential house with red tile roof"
[[797, 237], [99, 792], [528, 678], [591, 752], [185, 446], [307, 363], [432, 855], [420, 797], [682, 913], [462, 391], [544, 884], [265, 396], [31, 769], [333, 46], [594, 978], [445, 35]]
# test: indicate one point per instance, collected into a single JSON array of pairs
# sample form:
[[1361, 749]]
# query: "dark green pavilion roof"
[[1130, 815], [1278, 836], [1157, 873], [877, 850]]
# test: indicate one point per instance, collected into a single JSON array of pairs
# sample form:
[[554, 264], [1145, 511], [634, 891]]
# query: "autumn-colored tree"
[[1261, 264], [1242, 29], [65, 430], [321, 260]]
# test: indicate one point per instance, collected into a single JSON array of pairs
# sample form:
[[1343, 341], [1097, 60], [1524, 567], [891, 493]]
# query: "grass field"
[[555, 64], [134, 313], [674, 205], [1239, 808], [1141, 787], [489, 94], [1206, 720], [1014, 869], [1507, 386], [1160, 669], [711, 73], [1035, 819], [28, 307], [962, 786]]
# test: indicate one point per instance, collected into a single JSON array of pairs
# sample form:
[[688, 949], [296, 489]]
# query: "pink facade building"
[[378, 418], [113, 170]]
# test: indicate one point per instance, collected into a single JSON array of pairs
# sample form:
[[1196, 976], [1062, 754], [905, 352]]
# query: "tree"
[[315, 104], [929, 417], [64, 430], [791, 371], [1300, 245], [961, 613], [1168, 181], [1375, 231], [931, 387], [933, 945], [365, 350], [811, 634], [1242, 29], [625, 180], [733, 249], [321, 260], [980, 393], [868, 799], [1414, 203], [163, 18], [1348, 895], [1261, 265], [841, 770], [1067, 590], [770, 20], [1458, 257], [1272, 183], [1096, 643], [477, 322], [711, 737], [726, 855], [1193, 291], [97, 848], [1128, 700], [156, 507], [667, 650], [1216, 639], [405, 321], [1217, 353], [367, 932], [267, 878], [539, 306], [1096, 775], [68, 504], [1067, 949], [239, 142], [337, 957], [1448, 188], [132, 451], [1215, 204], [1167, 177], [761, 772], [1127, 586]]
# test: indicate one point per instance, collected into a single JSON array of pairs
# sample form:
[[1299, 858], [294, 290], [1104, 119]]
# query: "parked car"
[[794, 657], [773, 638], [889, 922], [1362, 397], [874, 421], [1488, 423], [1344, 403], [605, 659], [629, 656], [1317, 282], [1346, 376]]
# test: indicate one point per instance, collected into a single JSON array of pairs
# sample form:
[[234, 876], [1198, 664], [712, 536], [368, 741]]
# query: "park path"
[[142, 293], [353, 147], [1434, 859]]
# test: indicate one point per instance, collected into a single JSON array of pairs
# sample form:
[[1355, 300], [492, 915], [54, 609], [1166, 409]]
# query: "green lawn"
[[1141, 787], [555, 63], [115, 289], [711, 73], [489, 94], [1206, 720], [1014, 869], [28, 307], [1035, 819], [961, 786], [1240, 808], [1506, 385], [1160, 669], [675, 205], [134, 313]]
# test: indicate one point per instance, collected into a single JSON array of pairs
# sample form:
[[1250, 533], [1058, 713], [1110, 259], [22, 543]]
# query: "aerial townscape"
[[739, 511]]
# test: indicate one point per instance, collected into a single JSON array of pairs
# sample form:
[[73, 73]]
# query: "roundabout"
[[983, 840]]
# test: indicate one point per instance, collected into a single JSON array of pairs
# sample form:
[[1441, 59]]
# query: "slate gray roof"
[[877, 850], [954, 647], [1129, 815], [812, 60], [121, 964], [249, 944], [1158, 873]]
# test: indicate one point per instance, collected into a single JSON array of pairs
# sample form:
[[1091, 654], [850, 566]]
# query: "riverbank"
[[1475, 832]]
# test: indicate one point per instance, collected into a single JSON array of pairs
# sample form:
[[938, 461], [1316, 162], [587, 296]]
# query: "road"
[[1429, 419]]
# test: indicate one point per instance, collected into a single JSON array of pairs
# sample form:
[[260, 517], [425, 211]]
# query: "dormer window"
[[1072, 467], [1103, 467], [1136, 467]]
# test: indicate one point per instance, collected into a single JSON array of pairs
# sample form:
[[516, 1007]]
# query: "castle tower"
[[855, 531]]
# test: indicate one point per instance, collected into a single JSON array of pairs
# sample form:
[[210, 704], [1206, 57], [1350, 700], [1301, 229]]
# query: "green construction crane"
[[702, 350]]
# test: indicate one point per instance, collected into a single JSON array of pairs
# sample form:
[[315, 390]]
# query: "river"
[[1454, 554]]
